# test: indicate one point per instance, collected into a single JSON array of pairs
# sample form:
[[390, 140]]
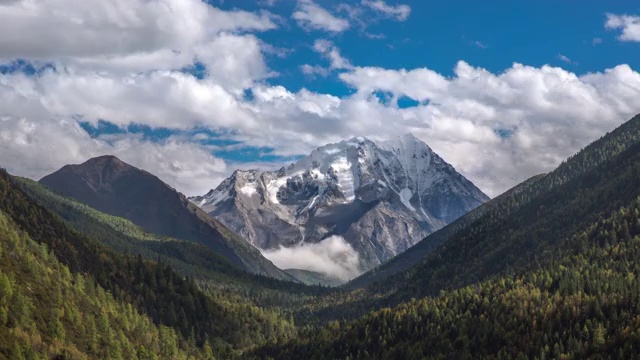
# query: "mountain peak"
[[408, 140], [409, 135], [357, 189], [105, 160], [112, 161], [358, 140], [112, 186]]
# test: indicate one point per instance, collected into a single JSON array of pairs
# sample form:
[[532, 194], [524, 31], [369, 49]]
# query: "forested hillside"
[[185, 257], [114, 187], [584, 304], [556, 278], [498, 212], [151, 288], [547, 270], [541, 221], [46, 311]]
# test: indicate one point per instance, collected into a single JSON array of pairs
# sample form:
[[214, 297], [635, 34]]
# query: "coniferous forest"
[[549, 270]]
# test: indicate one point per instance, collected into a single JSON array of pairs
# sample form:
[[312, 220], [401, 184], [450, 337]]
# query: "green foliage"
[[153, 288], [535, 249], [541, 229], [525, 228], [584, 304], [548, 270], [190, 259], [530, 199], [45, 312]]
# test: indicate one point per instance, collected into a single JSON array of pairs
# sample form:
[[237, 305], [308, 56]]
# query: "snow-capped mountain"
[[381, 198]]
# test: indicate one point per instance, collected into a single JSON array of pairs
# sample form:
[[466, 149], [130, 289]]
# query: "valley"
[[319, 180], [545, 270]]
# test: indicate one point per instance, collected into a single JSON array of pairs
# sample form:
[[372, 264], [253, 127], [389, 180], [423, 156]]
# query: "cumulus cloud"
[[120, 61], [495, 128], [399, 12], [499, 129], [311, 16], [332, 53], [366, 13], [157, 99], [332, 256], [314, 70], [629, 26], [35, 148], [95, 28]]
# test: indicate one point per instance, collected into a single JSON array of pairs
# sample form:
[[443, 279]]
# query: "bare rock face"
[[381, 198]]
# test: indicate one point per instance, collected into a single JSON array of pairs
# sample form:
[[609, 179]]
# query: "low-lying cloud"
[[332, 256]]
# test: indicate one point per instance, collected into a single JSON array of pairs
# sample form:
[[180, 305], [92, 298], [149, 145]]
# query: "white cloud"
[[628, 24], [311, 16], [332, 53], [280, 52], [117, 60], [545, 114], [418, 84], [495, 128], [332, 256], [157, 99], [95, 28], [480, 45], [35, 148], [314, 70], [399, 12], [267, 2], [565, 59]]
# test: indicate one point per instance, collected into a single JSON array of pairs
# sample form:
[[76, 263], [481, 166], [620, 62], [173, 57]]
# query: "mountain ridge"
[[595, 154], [117, 188], [379, 197]]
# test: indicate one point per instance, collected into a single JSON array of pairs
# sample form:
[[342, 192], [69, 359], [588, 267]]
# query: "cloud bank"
[[332, 256], [496, 128]]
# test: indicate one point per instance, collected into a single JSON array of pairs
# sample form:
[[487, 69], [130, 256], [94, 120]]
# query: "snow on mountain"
[[381, 198]]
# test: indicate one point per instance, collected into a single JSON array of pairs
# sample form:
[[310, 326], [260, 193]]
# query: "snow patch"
[[248, 190], [346, 181], [274, 185], [405, 197], [332, 151], [216, 198], [316, 174]]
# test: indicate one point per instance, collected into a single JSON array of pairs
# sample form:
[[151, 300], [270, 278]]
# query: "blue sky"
[[437, 34], [192, 90]]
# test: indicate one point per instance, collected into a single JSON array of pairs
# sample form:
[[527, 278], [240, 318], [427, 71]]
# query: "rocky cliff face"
[[381, 198]]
